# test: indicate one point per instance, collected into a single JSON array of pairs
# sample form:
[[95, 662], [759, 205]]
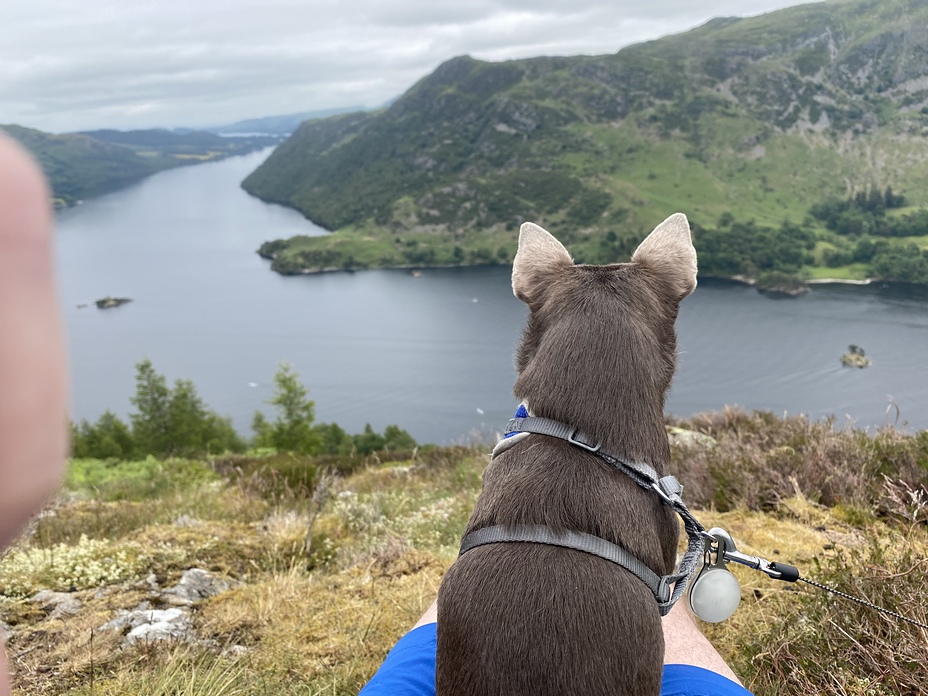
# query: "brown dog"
[[598, 353]]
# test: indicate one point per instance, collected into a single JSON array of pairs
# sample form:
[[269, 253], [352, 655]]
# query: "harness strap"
[[643, 474], [668, 488], [664, 588]]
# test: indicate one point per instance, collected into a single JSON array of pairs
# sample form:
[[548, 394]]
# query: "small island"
[[780, 283], [109, 302], [855, 357]]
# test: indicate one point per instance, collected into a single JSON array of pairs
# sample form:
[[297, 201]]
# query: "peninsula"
[[760, 129]]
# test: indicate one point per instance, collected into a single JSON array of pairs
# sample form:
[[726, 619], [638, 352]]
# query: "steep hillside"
[[84, 165], [79, 166], [759, 117]]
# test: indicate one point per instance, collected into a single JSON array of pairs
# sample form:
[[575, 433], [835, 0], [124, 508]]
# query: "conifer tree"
[[292, 430], [151, 424]]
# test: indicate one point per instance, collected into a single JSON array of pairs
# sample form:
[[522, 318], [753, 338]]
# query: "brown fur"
[[598, 353]]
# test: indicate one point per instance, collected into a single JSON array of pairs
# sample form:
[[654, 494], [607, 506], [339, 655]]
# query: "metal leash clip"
[[777, 571], [718, 541]]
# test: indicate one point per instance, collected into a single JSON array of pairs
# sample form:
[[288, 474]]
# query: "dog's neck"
[[615, 395], [643, 439]]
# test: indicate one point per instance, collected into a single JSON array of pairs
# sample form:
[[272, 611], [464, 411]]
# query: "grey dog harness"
[[667, 589]]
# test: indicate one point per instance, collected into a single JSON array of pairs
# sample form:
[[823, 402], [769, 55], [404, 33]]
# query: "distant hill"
[[156, 137], [88, 164], [758, 118], [166, 139], [190, 147], [279, 125], [79, 167]]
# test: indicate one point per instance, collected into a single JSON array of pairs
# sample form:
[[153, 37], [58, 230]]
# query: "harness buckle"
[[572, 439], [664, 495], [664, 590]]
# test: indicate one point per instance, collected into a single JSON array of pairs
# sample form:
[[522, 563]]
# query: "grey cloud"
[[141, 63]]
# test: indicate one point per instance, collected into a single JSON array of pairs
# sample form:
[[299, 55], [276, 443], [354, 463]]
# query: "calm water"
[[433, 353]]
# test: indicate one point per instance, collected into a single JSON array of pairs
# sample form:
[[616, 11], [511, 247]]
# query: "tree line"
[[173, 421], [860, 222], [865, 214]]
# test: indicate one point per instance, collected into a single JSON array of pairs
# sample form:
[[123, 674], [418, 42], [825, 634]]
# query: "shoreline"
[[739, 279], [840, 281]]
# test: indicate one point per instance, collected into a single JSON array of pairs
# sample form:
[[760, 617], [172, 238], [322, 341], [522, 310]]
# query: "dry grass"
[[844, 506]]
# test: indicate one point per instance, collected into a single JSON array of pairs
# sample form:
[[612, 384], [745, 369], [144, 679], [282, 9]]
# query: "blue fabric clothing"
[[409, 670], [689, 680]]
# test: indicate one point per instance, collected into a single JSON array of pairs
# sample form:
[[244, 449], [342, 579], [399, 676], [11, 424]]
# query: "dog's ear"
[[669, 251], [540, 256]]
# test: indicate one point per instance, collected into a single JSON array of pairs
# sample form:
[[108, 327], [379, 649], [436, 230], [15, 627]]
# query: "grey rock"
[[186, 521], [195, 585], [690, 438], [5, 632], [57, 605], [152, 625]]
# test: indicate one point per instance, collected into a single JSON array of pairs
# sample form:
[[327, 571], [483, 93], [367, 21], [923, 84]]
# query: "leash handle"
[[787, 572]]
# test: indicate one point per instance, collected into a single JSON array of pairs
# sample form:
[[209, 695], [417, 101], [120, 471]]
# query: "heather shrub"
[[760, 459], [827, 645]]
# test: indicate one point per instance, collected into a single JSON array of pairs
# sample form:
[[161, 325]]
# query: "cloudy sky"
[[67, 65]]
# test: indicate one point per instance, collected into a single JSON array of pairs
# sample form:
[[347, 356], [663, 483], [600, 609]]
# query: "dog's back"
[[598, 354]]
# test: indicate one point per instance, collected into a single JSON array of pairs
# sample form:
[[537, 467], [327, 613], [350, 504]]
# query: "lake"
[[430, 353]]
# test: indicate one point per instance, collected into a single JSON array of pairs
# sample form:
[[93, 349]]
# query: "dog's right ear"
[[540, 257], [669, 251]]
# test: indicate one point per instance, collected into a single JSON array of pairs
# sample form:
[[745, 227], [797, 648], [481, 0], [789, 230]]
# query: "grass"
[[847, 507], [855, 271]]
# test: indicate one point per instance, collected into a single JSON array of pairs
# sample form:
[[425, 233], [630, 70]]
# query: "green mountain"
[[78, 166], [84, 165], [757, 118], [279, 125]]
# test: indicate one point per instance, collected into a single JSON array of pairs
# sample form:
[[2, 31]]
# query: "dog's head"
[[600, 338]]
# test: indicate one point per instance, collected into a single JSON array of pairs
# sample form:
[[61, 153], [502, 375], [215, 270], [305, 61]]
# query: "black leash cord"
[[864, 603]]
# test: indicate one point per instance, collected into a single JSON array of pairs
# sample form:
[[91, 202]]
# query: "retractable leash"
[[715, 593]]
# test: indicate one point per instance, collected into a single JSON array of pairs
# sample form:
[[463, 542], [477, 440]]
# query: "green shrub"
[[69, 567], [144, 479], [108, 438]]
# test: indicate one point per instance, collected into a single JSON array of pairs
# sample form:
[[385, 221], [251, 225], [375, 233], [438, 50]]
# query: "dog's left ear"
[[669, 251], [540, 257]]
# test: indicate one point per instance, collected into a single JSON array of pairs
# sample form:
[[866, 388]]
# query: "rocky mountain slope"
[[759, 117], [84, 165]]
